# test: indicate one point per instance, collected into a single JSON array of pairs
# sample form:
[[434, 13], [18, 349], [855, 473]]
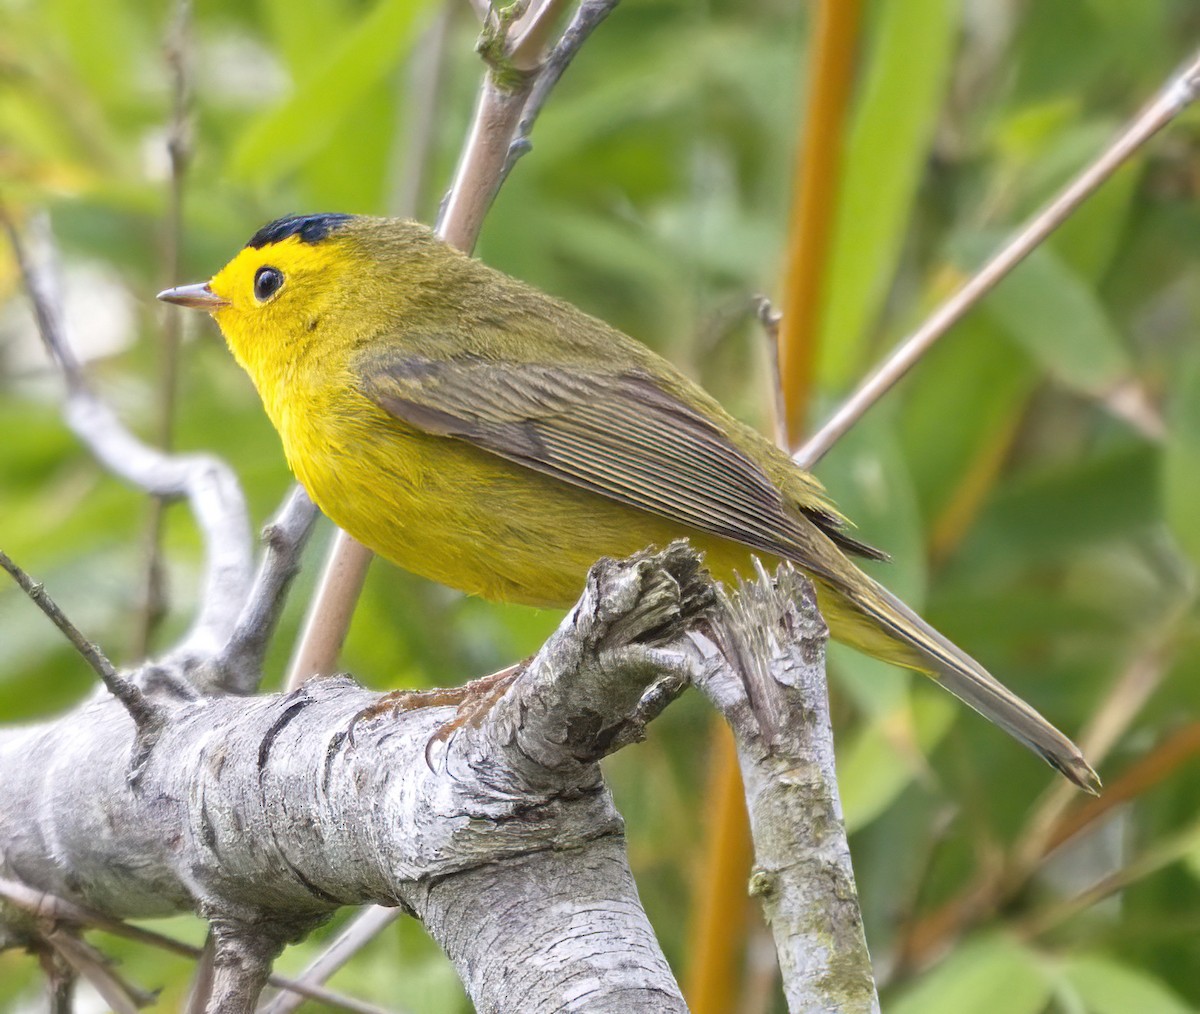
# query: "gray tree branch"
[[265, 815]]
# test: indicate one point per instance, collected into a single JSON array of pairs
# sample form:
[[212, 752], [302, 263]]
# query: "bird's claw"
[[472, 702]]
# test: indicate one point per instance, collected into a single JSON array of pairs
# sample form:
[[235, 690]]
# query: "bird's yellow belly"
[[449, 511], [471, 520]]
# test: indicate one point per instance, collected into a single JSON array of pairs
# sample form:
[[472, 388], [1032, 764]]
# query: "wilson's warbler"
[[478, 432]]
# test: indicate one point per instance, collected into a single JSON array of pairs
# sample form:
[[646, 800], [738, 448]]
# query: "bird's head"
[[309, 283]]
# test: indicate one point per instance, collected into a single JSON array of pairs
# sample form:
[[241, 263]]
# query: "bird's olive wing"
[[619, 435]]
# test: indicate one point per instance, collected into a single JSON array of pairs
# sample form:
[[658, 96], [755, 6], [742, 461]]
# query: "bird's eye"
[[267, 281]]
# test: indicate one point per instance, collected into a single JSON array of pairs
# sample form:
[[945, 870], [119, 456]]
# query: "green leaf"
[[1058, 511], [279, 141], [982, 383], [1109, 987], [873, 770], [995, 974], [899, 105]]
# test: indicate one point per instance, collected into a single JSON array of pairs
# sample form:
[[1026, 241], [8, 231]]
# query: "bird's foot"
[[472, 701], [478, 698]]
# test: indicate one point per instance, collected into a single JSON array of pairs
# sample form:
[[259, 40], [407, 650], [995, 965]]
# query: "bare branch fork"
[[263, 815]]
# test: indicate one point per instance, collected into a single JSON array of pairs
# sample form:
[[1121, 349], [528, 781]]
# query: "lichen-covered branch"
[[776, 701]]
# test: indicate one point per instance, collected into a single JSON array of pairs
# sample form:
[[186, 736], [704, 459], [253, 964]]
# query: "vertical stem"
[[477, 177], [418, 135], [179, 152], [476, 181], [345, 573], [814, 202], [721, 904], [774, 639], [331, 609]]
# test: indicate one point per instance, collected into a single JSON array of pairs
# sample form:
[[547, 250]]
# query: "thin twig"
[[533, 33], [179, 153], [424, 90], [201, 985], [331, 609], [121, 996], [585, 21], [41, 905], [1054, 820], [1120, 707], [769, 319], [128, 693], [1150, 770], [364, 928], [1155, 858], [1179, 93], [61, 979], [239, 665], [45, 906], [45, 294]]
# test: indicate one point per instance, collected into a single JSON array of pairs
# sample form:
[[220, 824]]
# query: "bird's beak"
[[198, 297]]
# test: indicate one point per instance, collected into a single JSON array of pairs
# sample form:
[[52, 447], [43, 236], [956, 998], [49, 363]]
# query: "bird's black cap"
[[310, 228]]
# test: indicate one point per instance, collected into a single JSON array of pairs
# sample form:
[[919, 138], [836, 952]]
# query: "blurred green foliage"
[[1035, 507]]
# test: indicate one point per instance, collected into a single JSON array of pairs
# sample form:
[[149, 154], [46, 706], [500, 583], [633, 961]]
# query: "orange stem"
[[814, 203], [721, 901]]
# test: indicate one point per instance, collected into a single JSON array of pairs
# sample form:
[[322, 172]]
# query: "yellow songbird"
[[476, 431]]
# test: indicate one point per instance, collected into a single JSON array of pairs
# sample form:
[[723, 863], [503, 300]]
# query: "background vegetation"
[[1036, 481]]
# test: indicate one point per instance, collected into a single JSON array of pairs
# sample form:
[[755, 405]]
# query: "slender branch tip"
[[128, 693]]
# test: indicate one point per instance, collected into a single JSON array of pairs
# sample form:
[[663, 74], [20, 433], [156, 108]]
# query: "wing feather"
[[619, 435]]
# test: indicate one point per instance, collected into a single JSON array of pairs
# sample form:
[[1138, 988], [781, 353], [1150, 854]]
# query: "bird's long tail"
[[872, 619]]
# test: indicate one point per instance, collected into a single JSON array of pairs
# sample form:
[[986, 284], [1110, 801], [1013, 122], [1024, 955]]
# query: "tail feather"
[[917, 645]]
